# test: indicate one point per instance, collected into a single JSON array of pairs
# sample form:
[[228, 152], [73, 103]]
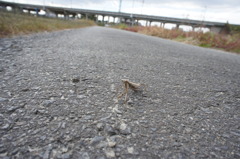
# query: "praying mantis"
[[127, 84]]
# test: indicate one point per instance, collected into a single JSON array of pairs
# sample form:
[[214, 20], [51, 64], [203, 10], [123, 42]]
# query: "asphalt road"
[[58, 97]]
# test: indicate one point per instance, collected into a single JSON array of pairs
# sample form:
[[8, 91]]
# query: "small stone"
[[9, 94], [130, 150], [143, 149], [3, 99], [188, 130], [76, 119], [43, 137], [113, 138], [72, 116], [144, 121], [64, 149], [124, 129], [6, 126], [153, 129], [100, 126], [119, 148], [96, 139], [36, 88], [236, 133], [63, 125], [206, 110], [12, 108], [47, 103], [14, 152], [75, 80], [40, 111], [47, 152], [3, 155], [83, 155], [66, 156], [111, 143], [105, 118], [123, 126], [87, 117], [101, 157], [81, 96], [55, 154], [85, 79], [110, 153], [226, 135], [102, 144], [130, 102], [116, 110], [25, 90], [118, 154], [110, 130]]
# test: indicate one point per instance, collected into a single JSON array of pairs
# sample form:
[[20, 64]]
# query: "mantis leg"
[[126, 91], [123, 93]]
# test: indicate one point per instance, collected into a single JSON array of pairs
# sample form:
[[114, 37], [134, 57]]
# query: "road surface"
[[58, 97]]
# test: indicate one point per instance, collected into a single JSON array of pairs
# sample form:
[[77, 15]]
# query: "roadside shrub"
[[208, 39]]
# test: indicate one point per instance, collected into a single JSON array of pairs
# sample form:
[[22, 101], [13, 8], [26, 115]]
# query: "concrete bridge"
[[124, 17]]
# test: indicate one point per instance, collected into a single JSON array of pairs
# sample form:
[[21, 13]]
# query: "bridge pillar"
[[96, 18], [37, 11], [16, 9], [193, 28], [77, 16], [177, 26], [163, 25], [50, 13], [137, 21], [132, 21], [114, 19], [73, 15], [3, 8], [103, 18], [150, 22], [66, 16]]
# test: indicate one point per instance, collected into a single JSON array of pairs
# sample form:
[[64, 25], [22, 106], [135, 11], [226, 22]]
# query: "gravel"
[[58, 97]]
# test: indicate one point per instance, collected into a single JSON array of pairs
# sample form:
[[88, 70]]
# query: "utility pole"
[[132, 19], [120, 5], [44, 5]]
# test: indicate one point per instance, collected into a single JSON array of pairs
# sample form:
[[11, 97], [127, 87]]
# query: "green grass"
[[227, 42], [17, 24], [120, 26]]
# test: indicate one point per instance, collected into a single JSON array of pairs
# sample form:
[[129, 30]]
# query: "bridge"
[[52, 11]]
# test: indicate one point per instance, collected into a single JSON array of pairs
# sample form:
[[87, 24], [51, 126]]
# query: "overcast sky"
[[210, 10]]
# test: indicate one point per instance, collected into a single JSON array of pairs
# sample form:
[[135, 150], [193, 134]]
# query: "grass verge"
[[17, 24], [227, 42]]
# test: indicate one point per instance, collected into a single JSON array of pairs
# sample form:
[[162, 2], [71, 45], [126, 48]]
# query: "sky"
[[204, 10]]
